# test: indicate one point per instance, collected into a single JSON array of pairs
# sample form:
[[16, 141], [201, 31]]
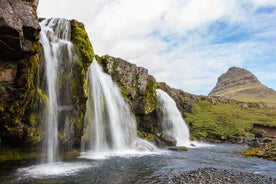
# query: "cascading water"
[[171, 119], [54, 38], [110, 127]]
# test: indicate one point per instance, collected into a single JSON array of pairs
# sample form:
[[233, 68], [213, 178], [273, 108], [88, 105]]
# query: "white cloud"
[[175, 39]]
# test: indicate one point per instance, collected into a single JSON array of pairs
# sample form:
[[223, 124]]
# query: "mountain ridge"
[[241, 84]]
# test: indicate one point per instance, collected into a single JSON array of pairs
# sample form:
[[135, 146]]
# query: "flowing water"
[[151, 168], [54, 38], [112, 153], [110, 128], [171, 120]]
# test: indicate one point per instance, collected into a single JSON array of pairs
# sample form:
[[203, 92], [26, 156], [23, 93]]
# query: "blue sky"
[[186, 43]]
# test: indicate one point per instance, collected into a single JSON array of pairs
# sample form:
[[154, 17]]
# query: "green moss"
[[150, 96], [81, 43], [146, 136], [78, 78], [124, 91], [8, 154], [266, 150], [102, 60], [71, 154]]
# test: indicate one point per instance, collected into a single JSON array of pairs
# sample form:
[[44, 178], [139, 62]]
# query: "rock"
[[168, 139], [182, 99], [18, 29], [178, 148], [19, 68], [137, 86], [240, 84], [263, 148], [138, 89], [214, 175]]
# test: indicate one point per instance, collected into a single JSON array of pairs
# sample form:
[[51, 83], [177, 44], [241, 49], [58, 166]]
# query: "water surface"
[[138, 168]]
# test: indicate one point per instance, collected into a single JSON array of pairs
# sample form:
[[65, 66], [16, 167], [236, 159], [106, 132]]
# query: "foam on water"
[[123, 153], [52, 169], [195, 144]]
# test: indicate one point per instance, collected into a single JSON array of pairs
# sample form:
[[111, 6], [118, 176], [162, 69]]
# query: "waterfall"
[[171, 120], [109, 124], [58, 51]]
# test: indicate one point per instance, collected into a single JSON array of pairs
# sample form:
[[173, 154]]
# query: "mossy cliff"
[[78, 80], [22, 82], [71, 83], [19, 70], [213, 119], [138, 88]]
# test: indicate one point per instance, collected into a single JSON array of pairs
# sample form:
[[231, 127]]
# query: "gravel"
[[217, 176]]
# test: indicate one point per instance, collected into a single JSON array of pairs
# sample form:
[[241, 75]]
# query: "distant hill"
[[240, 84]]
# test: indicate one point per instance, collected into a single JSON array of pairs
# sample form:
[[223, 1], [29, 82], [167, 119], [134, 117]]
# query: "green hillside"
[[227, 120]]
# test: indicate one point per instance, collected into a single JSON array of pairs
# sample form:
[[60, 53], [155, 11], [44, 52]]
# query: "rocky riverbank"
[[214, 175]]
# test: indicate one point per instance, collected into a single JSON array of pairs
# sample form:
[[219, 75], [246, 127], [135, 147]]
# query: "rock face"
[[135, 83], [19, 27], [22, 77], [19, 70], [138, 89], [240, 84], [184, 101]]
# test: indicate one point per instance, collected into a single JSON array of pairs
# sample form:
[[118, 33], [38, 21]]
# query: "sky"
[[186, 43]]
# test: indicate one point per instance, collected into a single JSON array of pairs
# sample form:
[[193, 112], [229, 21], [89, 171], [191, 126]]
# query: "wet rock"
[[168, 139], [214, 175], [178, 148]]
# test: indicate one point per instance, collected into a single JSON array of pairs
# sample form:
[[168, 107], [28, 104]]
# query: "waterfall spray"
[[54, 38]]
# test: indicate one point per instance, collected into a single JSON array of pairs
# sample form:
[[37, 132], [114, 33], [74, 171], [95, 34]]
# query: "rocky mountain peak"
[[240, 84], [233, 78]]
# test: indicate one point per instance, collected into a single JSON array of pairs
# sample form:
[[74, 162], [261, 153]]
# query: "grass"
[[226, 120]]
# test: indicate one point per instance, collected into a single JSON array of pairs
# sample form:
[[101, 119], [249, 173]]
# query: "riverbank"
[[214, 175]]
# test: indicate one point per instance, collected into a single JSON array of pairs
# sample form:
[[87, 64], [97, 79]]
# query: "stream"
[[129, 167]]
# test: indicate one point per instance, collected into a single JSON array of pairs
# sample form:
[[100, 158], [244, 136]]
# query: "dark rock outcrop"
[[183, 100], [22, 79], [240, 84], [19, 28], [137, 87], [262, 147], [19, 73]]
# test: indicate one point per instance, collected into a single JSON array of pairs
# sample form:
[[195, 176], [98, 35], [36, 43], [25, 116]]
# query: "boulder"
[[168, 139]]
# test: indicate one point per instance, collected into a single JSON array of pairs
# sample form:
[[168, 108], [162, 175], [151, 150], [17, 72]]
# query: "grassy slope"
[[256, 92], [226, 119]]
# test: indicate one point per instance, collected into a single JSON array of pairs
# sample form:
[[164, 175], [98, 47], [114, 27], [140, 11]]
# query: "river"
[[156, 167]]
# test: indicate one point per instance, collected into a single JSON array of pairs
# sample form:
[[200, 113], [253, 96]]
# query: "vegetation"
[[150, 98], [266, 150], [224, 121]]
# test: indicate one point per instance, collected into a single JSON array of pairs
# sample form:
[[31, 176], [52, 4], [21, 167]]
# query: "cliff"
[[22, 82], [209, 117], [19, 70], [138, 89], [240, 84]]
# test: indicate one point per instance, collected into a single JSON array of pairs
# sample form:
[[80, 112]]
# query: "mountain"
[[240, 84]]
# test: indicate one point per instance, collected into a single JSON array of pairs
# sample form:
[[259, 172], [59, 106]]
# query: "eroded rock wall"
[[19, 69]]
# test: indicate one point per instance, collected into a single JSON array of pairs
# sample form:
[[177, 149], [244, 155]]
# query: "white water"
[[109, 126], [54, 37], [171, 120]]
